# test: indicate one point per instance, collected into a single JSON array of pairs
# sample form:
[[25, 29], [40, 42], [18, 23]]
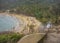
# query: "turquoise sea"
[[7, 22]]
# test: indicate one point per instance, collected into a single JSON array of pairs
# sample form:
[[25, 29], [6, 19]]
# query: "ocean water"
[[7, 22]]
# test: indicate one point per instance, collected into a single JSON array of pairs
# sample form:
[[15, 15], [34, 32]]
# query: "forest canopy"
[[43, 10]]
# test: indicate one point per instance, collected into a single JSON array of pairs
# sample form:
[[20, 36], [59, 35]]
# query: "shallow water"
[[7, 22]]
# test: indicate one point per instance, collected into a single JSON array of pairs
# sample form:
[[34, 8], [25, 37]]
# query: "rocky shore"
[[27, 24]]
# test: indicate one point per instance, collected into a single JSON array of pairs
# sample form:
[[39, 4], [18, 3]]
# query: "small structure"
[[49, 25], [7, 11]]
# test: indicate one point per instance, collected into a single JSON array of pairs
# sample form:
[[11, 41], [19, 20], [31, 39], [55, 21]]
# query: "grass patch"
[[10, 38]]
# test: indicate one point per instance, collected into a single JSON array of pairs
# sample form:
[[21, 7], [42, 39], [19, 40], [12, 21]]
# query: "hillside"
[[4, 4], [43, 10]]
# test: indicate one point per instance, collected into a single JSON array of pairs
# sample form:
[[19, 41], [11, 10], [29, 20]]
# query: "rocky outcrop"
[[32, 38], [53, 35], [27, 24]]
